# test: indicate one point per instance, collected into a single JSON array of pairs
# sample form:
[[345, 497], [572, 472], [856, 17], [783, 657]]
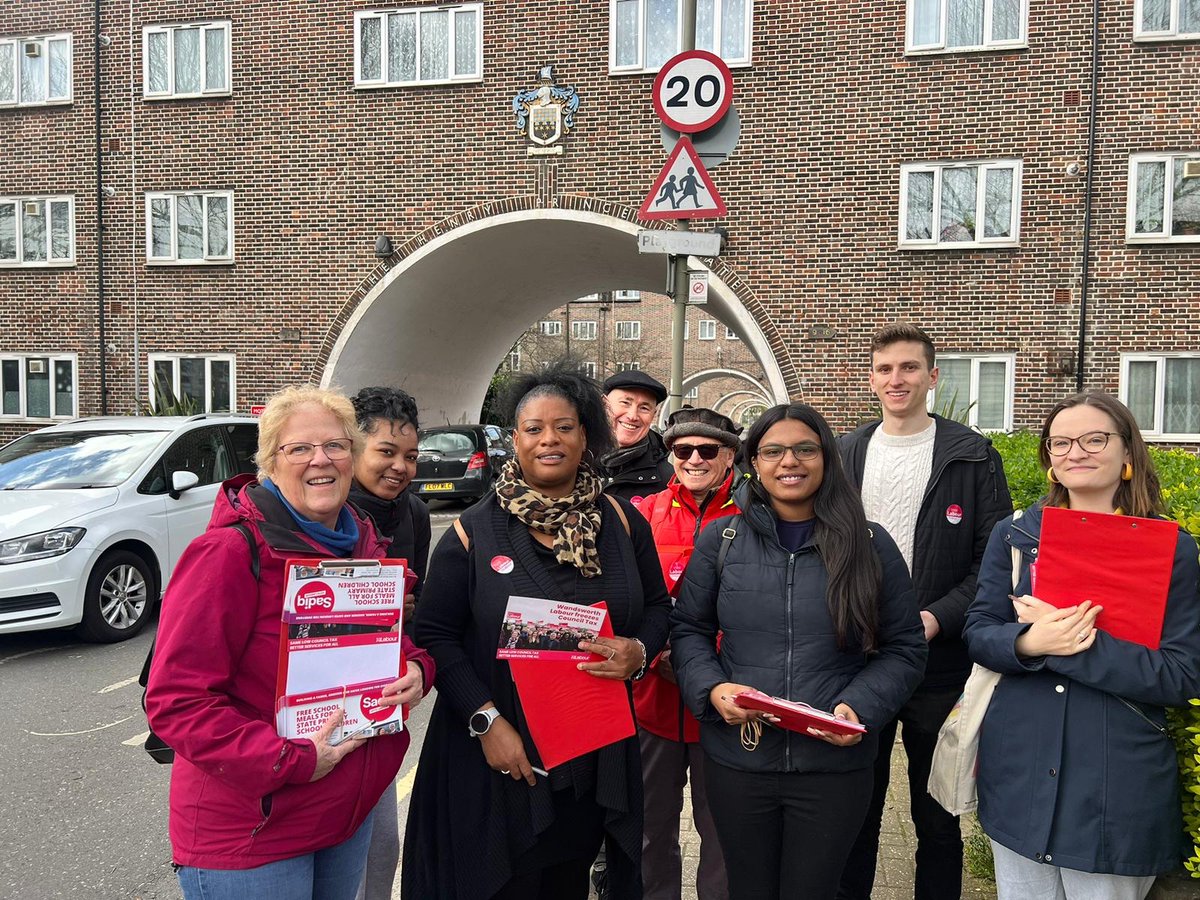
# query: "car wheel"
[[118, 600]]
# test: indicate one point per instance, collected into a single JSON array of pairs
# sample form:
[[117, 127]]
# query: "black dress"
[[470, 829], [404, 521]]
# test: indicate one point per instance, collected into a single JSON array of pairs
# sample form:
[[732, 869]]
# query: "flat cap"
[[701, 422], [635, 380]]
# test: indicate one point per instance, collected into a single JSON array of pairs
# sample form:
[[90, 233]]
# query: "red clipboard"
[[797, 716], [1122, 563], [570, 712]]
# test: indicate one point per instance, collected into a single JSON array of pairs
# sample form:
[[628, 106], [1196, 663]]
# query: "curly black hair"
[[375, 404], [562, 379]]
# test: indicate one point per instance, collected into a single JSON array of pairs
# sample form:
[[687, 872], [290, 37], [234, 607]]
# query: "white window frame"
[[934, 242], [18, 52], [639, 66], [1163, 236], [382, 15], [730, 334], [1171, 34], [693, 393], [550, 328], [914, 49], [1160, 387], [583, 330], [1010, 363], [209, 359], [173, 259], [514, 359], [18, 220], [707, 330], [627, 330], [169, 30], [627, 296], [632, 366], [588, 369], [51, 358]]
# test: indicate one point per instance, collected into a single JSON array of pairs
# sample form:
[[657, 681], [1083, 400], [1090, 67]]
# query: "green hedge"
[[1179, 473]]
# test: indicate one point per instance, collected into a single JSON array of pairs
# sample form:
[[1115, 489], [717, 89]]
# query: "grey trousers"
[[384, 853], [665, 766], [1018, 878]]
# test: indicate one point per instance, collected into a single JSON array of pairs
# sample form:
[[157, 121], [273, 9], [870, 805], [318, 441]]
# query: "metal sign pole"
[[679, 308]]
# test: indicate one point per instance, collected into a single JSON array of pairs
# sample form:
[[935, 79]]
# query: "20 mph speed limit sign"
[[693, 91]]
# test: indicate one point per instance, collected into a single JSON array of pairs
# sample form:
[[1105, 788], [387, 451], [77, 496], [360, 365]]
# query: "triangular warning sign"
[[683, 189]]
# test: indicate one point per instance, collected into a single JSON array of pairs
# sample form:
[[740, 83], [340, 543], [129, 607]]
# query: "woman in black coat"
[[487, 820], [809, 602], [1078, 785]]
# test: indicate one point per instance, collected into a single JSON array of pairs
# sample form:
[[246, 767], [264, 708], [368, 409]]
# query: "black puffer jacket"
[[966, 495], [778, 637], [644, 473]]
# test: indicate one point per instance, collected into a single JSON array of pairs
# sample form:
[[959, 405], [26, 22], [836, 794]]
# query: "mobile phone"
[[340, 739]]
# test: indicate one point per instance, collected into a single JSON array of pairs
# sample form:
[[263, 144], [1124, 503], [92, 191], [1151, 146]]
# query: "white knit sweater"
[[896, 472]]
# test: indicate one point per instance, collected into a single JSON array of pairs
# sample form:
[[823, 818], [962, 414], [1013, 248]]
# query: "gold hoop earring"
[[1050, 476], [1127, 472]]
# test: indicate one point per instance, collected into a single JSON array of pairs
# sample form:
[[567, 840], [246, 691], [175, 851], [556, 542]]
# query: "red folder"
[[797, 716], [570, 712], [1122, 563]]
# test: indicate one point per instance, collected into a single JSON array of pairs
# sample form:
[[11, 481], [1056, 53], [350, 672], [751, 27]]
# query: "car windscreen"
[[447, 443], [74, 459]]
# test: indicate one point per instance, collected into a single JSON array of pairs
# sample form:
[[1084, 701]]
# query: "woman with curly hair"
[[484, 821]]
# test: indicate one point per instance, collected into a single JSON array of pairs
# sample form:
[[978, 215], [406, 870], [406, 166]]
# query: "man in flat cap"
[[639, 466]]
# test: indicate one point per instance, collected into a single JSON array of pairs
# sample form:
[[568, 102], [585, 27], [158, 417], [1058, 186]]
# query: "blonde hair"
[[280, 408]]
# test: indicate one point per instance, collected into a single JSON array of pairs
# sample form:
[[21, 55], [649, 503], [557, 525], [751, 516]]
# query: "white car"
[[95, 513]]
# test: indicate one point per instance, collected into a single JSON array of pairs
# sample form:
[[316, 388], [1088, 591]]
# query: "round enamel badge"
[[954, 513], [502, 564], [676, 570]]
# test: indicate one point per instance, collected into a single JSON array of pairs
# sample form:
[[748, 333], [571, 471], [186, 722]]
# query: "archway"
[[440, 314], [698, 378]]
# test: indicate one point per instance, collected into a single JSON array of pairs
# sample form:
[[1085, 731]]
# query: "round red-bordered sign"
[[692, 92]]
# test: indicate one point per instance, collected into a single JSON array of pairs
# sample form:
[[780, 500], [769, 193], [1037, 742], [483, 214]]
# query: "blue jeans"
[[330, 874]]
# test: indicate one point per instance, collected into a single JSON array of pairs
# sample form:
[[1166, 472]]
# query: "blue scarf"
[[341, 539]]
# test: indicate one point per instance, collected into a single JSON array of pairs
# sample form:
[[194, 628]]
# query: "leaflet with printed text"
[[547, 629]]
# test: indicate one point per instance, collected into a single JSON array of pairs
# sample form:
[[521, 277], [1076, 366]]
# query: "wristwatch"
[[481, 722]]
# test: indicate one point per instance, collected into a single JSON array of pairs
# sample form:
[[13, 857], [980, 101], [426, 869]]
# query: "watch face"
[[480, 722]]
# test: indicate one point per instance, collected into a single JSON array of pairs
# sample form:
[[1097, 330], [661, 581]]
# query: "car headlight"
[[39, 546]]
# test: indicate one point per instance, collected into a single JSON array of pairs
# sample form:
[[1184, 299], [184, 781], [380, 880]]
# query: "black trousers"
[[939, 840], [785, 834]]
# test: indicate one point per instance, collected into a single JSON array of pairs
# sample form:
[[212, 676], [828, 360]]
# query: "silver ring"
[[505, 772], [612, 652]]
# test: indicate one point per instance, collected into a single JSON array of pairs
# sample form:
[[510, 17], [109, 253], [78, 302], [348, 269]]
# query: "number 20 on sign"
[[692, 92]]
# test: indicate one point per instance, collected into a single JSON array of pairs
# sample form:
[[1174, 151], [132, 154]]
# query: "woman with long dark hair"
[[1078, 786], [801, 598]]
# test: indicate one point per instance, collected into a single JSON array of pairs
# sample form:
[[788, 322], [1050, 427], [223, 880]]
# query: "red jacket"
[[240, 794], [676, 522]]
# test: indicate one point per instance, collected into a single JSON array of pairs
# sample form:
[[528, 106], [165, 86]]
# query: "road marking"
[[137, 740], [32, 653], [117, 685], [405, 785], [73, 733]]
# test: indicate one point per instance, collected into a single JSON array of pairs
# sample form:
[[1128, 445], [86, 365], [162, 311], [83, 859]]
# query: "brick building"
[[927, 159]]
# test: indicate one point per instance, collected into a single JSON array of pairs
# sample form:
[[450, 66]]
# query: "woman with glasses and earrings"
[[1077, 779], [253, 814], [801, 598], [487, 819]]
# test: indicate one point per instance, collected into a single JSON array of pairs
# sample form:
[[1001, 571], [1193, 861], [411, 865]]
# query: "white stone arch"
[[698, 378]]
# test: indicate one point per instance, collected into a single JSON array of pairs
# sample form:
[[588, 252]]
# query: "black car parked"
[[459, 462]]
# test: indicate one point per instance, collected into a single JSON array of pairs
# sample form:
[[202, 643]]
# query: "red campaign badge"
[[636, 501], [954, 513], [676, 570], [502, 564]]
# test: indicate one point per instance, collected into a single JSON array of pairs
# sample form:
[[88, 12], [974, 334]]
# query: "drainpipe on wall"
[[100, 224], [1087, 198]]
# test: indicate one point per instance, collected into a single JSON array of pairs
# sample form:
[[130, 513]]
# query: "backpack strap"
[[727, 537], [620, 512], [462, 535]]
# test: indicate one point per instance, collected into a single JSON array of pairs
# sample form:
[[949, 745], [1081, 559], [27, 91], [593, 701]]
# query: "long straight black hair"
[[842, 536]]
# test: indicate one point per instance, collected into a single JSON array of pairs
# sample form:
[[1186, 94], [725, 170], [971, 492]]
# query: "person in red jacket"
[[702, 444], [253, 814]]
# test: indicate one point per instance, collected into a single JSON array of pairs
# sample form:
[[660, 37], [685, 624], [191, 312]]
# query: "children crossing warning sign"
[[683, 189]]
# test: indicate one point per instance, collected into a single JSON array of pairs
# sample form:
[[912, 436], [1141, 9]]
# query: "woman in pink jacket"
[[251, 814]]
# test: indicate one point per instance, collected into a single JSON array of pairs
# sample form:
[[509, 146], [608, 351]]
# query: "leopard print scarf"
[[573, 521]]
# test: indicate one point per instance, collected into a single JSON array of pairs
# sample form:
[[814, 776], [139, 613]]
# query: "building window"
[[730, 334], [189, 228], [589, 298], [644, 34], [186, 60], [948, 26], [428, 45], [1156, 20], [627, 296], [588, 369], [692, 394], [960, 204], [629, 366], [1164, 197], [1163, 393], [708, 329], [204, 382], [35, 71], [37, 387], [628, 331], [37, 231], [550, 328], [583, 330], [975, 389], [514, 359]]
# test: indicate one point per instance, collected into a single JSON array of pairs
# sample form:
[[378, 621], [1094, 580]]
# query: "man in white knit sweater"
[[938, 488]]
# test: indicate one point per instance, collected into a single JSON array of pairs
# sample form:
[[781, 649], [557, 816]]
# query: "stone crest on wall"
[[546, 113]]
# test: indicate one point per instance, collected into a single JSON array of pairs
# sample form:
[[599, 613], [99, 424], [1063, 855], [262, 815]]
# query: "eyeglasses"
[[803, 452], [685, 451], [301, 451], [1092, 442]]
